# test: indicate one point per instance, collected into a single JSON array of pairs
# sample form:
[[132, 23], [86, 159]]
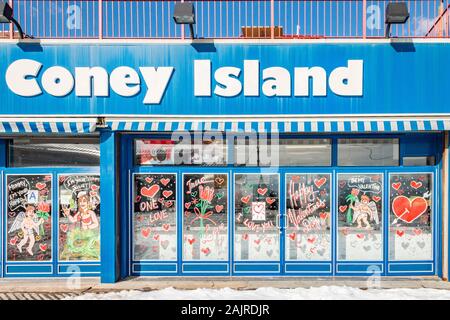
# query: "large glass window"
[[29, 218], [155, 217], [79, 217], [250, 151], [205, 218], [183, 150], [46, 152], [360, 215], [368, 152], [411, 216], [308, 217], [257, 217]]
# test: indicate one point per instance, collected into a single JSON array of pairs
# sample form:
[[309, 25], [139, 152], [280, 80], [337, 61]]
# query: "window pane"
[[308, 208], [29, 219], [257, 213], [419, 161], [209, 151], [54, 152], [305, 152], [360, 214], [205, 218], [155, 217], [79, 217], [368, 152], [411, 217]]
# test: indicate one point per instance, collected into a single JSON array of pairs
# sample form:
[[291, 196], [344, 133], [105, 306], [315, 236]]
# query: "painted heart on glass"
[[167, 193], [409, 210], [320, 182], [166, 227], [150, 192], [258, 248], [219, 195], [245, 199], [367, 248], [145, 232], [187, 205], [64, 228], [245, 236], [40, 185], [292, 236], [343, 208], [421, 244], [417, 231], [219, 208], [270, 200], [342, 183], [13, 241], [219, 180], [323, 215], [262, 191], [93, 193], [168, 204], [269, 252], [194, 194], [149, 179], [311, 239], [400, 233], [415, 184], [138, 199], [376, 198], [396, 185], [156, 237], [360, 236], [164, 181], [206, 251], [295, 178], [43, 247], [191, 241], [94, 187], [405, 245], [258, 207], [257, 241], [165, 244]]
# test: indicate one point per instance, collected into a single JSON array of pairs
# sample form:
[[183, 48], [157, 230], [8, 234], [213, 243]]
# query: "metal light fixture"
[[184, 13], [396, 13], [6, 16]]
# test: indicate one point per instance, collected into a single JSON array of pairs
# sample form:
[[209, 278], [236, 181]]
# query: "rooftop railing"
[[276, 19]]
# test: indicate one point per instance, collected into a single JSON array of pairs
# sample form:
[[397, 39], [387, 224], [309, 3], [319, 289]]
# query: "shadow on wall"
[[403, 45]]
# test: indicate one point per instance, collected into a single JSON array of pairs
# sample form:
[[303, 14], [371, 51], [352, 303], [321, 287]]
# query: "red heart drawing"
[[360, 236], [191, 241], [257, 241], [13, 241], [400, 233], [401, 191], [161, 200], [342, 208], [206, 251], [64, 227], [150, 192], [145, 232], [396, 185], [219, 208], [40, 185], [417, 231], [167, 193], [407, 210], [311, 239], [258, 207], [245, 199], [93, 193], [262, 191], [94, 187], [219, 180], [187, 205], [245, 236], [156, 237], [166, 226], [323, 215], [415, 184], [292, 236], [342, 183], [320, 182], [138, 198], [376, 198], [149, 179], [43, 247], [295, 178], [164, 181], [270, 200]]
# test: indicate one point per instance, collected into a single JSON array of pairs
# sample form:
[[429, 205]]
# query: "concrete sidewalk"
[[83, 285]]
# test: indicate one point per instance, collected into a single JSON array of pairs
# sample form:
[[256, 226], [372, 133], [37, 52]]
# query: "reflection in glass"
[[256, 214], [155, 217], [308, 217], [360, 214], [368, 152], [411, 216]]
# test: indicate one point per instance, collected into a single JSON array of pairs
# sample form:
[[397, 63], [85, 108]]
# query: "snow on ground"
[[313, 293]]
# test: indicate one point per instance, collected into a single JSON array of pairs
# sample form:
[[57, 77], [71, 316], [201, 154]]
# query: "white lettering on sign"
[[276, 81], [28, 78]]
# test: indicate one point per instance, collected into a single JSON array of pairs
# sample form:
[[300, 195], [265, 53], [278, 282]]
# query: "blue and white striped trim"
[[284, 126], [46, 127]]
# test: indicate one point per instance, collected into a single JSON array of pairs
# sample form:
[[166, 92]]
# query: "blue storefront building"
[[242, 157]]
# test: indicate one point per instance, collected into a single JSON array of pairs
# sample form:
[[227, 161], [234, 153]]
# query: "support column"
[[109, 218], [445, 208]]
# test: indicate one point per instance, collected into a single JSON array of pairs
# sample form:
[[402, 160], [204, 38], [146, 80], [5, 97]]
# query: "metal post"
[[445, 207], [272, 19], [100, 19], [364, 18], [109, 223], [11, 25]]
